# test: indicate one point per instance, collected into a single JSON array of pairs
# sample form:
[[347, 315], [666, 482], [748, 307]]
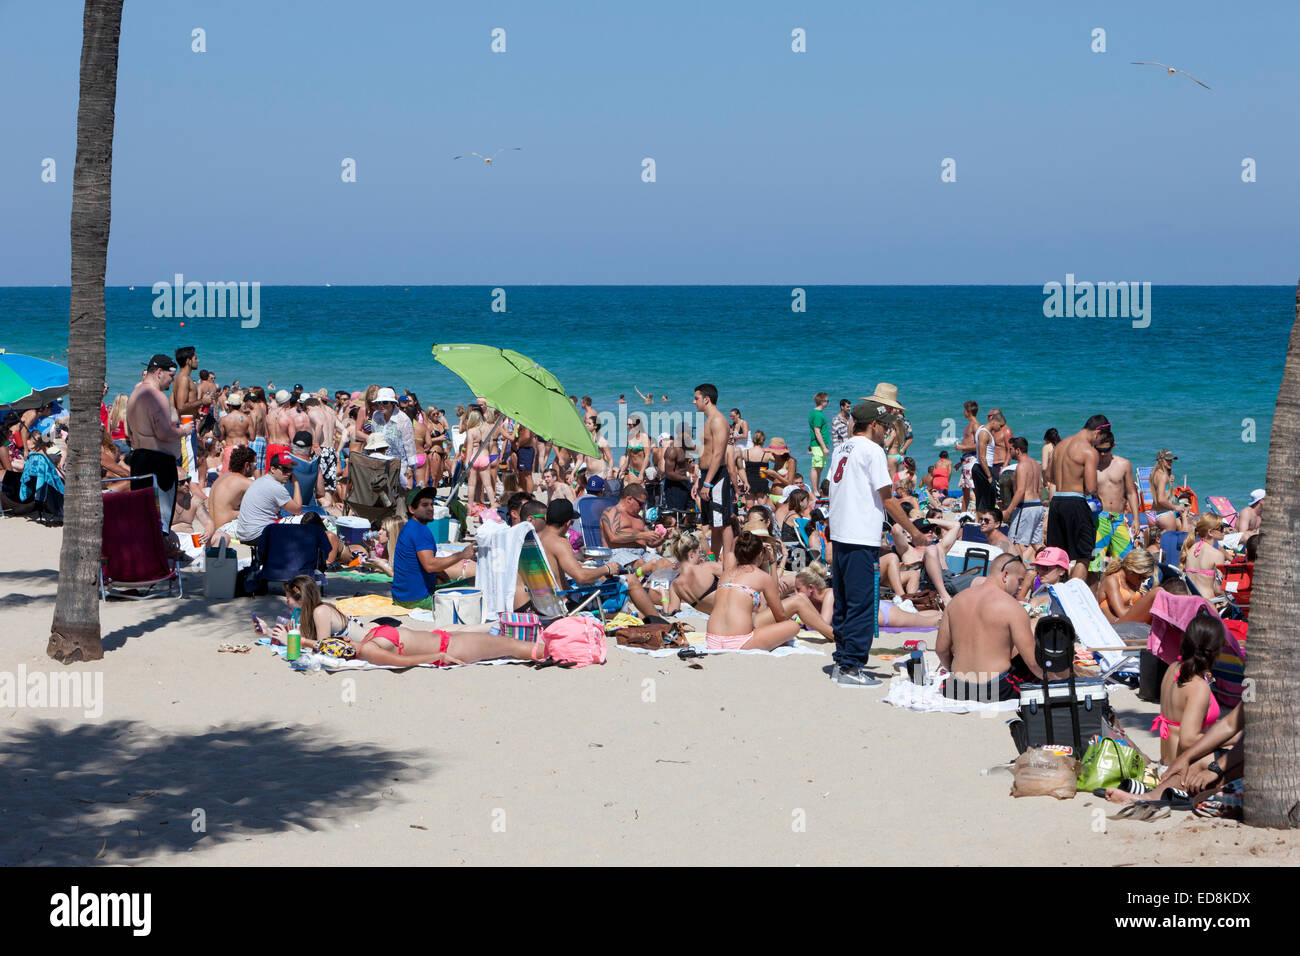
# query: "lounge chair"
[[133, 555], [1073, 599], [1222, 507], [374, 487], [590, 508], [551, 601]]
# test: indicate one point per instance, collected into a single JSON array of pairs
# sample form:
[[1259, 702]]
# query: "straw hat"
[[757, 526], [778, 447], [885, 394], [376, 442], [235, 399]]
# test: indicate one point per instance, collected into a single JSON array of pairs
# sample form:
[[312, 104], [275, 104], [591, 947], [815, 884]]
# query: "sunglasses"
[[986, 520]]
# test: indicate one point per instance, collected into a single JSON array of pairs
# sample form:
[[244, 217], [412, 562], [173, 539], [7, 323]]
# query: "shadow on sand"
[[114, 793]]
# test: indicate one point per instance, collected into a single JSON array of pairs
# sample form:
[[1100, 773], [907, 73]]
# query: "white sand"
[[488, 765]]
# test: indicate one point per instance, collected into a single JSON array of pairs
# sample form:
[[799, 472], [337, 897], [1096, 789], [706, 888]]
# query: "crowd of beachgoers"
[[841, 531]]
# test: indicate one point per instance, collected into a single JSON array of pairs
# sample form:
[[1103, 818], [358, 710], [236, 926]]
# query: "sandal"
[[234, 648]]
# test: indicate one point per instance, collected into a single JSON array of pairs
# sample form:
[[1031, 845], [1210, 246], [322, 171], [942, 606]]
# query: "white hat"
[[282, 396], [386, 395], [788, 490], [1256, 497], [235, 398], [376, 441], [664, 436]]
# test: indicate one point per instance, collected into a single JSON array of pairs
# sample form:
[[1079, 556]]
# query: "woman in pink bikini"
[[328, 630], [1188, 707], [1201, 555], [742, 591]]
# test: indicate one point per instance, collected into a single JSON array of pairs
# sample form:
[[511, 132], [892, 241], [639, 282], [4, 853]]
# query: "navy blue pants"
[[856, 582]]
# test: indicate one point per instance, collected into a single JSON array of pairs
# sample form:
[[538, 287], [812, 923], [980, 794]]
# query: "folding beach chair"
[[374, 487], [133, 555], [971, 532], [553, 602], [1073, 600], [1143, 482], [590, 508], [1237, 580], [1222, 507], [287, 550]]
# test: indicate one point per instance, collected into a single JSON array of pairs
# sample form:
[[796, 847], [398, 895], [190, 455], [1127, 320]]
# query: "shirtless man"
[[155, 438], [1071, 525], [1250, 517], [1002, 436], [971, 410], [564, 563], [623, 530], [226, 494], [991, 524], [985, 639], [297, 415], [1026, 505], [256, 409], [320, 423], [716, 491], [279, 425], [185, 394], [236, 426], [1117, 524], [524, 458], [556, 490]]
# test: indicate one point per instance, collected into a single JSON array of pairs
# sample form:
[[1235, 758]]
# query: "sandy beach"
[[749, 760]]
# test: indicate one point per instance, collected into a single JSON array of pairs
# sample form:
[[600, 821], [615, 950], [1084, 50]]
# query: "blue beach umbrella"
[[27, 382]]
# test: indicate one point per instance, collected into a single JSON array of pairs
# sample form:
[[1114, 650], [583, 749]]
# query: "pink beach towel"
[[1170, 615]]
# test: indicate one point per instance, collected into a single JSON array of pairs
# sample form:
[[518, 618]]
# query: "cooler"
[[1092, 704], [351, 529], [440, 526]]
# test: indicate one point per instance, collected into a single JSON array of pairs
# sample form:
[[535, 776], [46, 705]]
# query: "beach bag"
[[578, 641], [652, 637], [521, 626], [1107, 762], [1044, 772]]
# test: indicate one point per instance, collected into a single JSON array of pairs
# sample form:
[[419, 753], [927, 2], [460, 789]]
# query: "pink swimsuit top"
[[1196, 552], [1162, 723]]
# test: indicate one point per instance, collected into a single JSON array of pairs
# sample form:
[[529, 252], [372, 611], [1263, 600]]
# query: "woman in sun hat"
[[1050, 566], [783, 467]]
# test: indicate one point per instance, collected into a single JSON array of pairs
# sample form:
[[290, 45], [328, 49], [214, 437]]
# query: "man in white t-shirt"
[[862, 493]]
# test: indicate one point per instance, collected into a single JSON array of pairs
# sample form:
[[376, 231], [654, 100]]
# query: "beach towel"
[[1170, 615], [38, 472], [1074, 600], [785, 650], [323, 662], [498, 564], [371, 605], [928, 698], [368, 577]]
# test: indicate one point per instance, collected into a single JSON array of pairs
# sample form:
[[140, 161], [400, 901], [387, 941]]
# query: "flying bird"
[[488, 159], [1168, 69]]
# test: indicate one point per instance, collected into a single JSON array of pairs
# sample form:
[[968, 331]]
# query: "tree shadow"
[[113, 793]]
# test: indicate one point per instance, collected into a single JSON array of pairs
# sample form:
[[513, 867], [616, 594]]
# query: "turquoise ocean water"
[[1206, 369]]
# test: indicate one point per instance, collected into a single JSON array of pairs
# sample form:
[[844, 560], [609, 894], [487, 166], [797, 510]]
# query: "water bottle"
[[916, 664]]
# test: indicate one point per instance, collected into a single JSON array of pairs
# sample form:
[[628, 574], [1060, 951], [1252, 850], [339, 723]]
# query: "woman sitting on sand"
[[1188, 707], [1125, 582], [1201, 555], [790, 513], [326, 629], [739, 597], [697, 578], [901, 568]]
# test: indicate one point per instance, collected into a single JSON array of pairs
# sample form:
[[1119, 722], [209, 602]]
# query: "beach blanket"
[[369, 577], [498, 564], [1170, 615], [785, 650], [927, 698], [1074, 600], [371, 605], [323, 662]]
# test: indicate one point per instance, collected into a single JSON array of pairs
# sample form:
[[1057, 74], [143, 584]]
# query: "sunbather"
[[1125, 582], [1201, 555], [327, 629], [813, 586], [733, 624]]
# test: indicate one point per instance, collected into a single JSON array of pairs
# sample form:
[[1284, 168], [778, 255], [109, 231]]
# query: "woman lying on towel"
[[813, 587], [327, 630]]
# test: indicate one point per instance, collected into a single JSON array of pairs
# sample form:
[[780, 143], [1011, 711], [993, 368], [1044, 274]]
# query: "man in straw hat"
[[887, 394], [862, 493]]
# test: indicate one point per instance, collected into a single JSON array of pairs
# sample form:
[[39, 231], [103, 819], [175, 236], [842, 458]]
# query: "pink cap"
[[1052, 558]]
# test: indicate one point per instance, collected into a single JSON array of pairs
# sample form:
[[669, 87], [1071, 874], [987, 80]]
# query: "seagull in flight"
[[488, 159], [1168, 69]]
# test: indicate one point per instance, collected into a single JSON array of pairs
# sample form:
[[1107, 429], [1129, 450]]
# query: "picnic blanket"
[[371, 605], [310, 662], [369, 577], [785, 650]]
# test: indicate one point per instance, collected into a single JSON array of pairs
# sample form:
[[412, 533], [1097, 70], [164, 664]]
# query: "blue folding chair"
[[590, 508]]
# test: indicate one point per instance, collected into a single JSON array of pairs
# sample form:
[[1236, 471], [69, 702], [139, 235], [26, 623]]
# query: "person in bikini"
[[1201, 555], [327, 630], [902, 568], [741, 592]]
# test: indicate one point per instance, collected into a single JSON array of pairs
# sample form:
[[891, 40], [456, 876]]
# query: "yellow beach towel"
[[371, 605]]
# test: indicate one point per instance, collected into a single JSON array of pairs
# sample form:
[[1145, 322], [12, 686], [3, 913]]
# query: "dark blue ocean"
[[1201, 379]]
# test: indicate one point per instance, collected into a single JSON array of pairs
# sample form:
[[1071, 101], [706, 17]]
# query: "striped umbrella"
[[27, 382]]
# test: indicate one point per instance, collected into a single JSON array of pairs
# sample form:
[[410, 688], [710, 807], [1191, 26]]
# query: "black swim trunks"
[[722, 501], [677, 496], [1071, 526], [1006, 686]]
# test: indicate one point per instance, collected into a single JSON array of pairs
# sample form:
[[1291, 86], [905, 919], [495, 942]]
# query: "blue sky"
[[772, 166]]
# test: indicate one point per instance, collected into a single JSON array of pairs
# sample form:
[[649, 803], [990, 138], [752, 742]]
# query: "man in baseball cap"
[[160, 361], [155, 439], [1250, 517], [416, 564], [862, 496]]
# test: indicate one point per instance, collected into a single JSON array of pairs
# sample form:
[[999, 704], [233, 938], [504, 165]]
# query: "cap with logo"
[[302, 439], [1164, 454], [161, 361], [595, 485], [280, 460], [864, 413]]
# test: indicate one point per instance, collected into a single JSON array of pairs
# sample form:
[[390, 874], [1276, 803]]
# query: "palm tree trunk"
[[1272, 794], [74, 633]]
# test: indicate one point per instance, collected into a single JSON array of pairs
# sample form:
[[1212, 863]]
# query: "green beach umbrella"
[[521, 389], [27, 382]]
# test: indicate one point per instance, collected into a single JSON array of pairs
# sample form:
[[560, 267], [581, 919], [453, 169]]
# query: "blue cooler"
[[351, 529], [441, 524]]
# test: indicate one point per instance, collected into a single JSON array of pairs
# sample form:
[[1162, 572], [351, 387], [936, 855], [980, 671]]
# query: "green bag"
[[1109, 761]]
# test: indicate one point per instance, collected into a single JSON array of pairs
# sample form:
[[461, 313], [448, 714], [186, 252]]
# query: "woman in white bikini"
[[740, 595]]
